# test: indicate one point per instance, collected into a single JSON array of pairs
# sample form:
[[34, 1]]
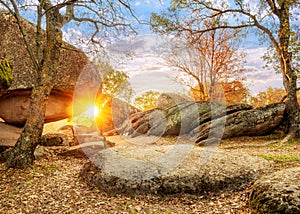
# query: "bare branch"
[[24, 34], [219, 12]]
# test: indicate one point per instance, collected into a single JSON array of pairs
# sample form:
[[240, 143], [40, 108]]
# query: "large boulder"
[[72, 63], [181, 168], [14, 106], [177, 120], [202, 120], [278, 192], [252, 122]]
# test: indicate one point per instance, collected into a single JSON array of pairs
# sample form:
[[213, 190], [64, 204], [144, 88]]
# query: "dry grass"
[[53, 186]]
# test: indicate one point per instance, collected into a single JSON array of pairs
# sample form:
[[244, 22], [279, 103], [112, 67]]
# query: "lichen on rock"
[[278, 192]]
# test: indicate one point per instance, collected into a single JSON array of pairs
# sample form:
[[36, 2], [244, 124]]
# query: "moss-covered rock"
[[6, 77]]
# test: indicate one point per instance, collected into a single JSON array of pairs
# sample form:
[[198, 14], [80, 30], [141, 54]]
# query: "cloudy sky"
[[147, 67], [148, 70]]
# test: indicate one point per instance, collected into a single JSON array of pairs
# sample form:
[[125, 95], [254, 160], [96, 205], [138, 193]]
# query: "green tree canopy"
[[114, 82], [147, 100]]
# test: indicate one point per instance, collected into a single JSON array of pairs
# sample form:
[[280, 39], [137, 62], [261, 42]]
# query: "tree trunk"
[[288, 73], [292, 106], [22, 155]]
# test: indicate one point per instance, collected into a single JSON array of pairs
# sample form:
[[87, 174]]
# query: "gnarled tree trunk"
[[288, 73]]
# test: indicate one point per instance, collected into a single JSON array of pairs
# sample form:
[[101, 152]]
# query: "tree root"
[[290, 136]]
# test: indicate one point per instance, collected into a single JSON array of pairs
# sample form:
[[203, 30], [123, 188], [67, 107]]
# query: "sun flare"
[[92, 111]]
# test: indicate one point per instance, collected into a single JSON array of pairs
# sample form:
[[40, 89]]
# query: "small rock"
[[40, 152], [54, 139]]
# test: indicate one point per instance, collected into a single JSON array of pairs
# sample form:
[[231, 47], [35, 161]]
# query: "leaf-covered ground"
[[53, 185]]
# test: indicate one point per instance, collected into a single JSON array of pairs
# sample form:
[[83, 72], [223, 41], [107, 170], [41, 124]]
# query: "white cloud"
[[137, 3], [258, 77]]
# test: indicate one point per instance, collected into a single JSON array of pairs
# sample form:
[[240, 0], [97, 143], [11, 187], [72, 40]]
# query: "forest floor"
[[53, 185]]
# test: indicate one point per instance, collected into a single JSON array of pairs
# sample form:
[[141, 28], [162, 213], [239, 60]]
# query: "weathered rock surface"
[[278, 192], [253, 122], [41, 152], [182, 168], [14, 107], [202, 120], [12, 47], [54, 139], [177, 120], [9, 135]]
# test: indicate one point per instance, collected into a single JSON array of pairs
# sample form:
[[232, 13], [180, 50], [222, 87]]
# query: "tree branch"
[[219, 12]]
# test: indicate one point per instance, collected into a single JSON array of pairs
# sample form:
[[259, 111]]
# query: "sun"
[[92, 111]]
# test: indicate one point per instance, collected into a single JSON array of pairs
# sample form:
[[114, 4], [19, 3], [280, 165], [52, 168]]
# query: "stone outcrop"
[[252, 122], [177, 120], [13, 48], [72, 63], [181, 168], [202, 120], [55, 139], [278, 192]]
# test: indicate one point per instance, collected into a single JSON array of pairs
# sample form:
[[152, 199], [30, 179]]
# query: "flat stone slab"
[[181, 168], [278, 192]]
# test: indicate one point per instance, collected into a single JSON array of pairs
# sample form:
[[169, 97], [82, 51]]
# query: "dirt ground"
[[53, 185]]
